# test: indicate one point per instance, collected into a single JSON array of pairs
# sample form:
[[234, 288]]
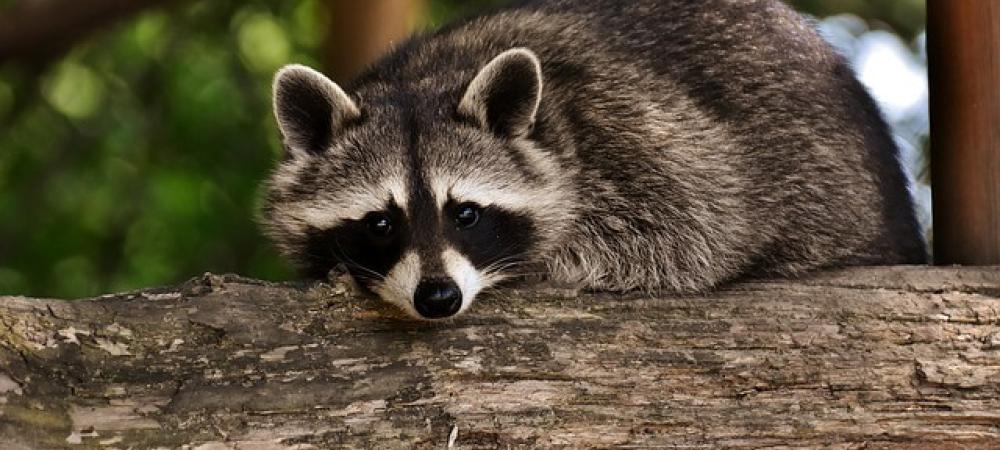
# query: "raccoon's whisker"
[[506, 264], [506, 268], [517, 258], [368, 272], [352, 263], [500, 266], [504, 272]]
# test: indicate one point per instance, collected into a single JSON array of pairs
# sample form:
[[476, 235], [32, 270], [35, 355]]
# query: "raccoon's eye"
[[468, 215], [379, 224]]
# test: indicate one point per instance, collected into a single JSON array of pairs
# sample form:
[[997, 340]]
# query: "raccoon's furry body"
[[671, 145]]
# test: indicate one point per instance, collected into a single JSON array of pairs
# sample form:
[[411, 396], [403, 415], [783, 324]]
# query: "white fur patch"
[[327, 213], [464, 274], [401, 283], [482, 192]]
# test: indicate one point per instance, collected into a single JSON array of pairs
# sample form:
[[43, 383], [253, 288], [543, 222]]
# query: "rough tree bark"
[[905, 357]]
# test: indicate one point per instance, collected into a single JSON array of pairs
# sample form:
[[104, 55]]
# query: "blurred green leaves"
[[904, 17], [263, 44], [6, 99], [74, 90], [148, 35], [135, 159]]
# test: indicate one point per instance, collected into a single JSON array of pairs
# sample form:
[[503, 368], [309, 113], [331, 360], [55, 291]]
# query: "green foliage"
[[136, 159], [441, 11]]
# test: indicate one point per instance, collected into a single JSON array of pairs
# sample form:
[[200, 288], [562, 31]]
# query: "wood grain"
[[362, 31], [964, 64], [900, 358]]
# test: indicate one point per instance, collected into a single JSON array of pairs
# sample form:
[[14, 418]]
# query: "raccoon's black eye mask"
[[488, 234], [467, 215], [368, 247], [380, 224]]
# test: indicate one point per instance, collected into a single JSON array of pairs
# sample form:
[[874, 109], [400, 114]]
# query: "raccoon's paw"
[[342, 281]]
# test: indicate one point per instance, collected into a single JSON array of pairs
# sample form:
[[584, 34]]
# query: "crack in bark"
[[52, 313], [217, 332]]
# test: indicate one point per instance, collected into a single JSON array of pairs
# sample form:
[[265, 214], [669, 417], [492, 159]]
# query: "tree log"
[[897, 357]]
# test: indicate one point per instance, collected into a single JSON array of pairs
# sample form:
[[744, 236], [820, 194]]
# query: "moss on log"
[[898, 357]]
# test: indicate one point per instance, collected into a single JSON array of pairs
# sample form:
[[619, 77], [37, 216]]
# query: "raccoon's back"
[[819, 159]]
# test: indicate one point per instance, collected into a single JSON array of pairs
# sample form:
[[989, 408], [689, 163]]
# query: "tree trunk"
[[963, 46], [899, 357], [361, 31]]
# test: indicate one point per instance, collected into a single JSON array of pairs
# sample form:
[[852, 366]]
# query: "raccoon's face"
[[425, 205]]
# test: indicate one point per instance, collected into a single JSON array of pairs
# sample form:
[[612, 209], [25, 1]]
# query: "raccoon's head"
[[426, 195]]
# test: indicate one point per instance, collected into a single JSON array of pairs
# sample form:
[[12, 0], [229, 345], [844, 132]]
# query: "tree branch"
[[905, 357], [35, 31]]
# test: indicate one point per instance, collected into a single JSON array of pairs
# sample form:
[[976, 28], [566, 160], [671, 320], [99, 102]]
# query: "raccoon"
[[654, 145]]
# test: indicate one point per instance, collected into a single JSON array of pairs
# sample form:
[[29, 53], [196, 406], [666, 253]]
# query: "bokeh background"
[[132, 146]]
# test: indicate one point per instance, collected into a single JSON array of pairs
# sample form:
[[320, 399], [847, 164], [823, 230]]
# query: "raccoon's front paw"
[[342, 281]]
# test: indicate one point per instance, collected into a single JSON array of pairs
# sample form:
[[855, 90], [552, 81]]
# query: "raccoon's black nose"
[[436, 299]]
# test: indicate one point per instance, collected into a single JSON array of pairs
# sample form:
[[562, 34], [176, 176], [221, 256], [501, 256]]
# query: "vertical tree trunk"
[[361, 31], [964, 52]]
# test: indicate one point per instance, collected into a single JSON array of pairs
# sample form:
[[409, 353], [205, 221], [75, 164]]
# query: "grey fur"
[[678, 144]]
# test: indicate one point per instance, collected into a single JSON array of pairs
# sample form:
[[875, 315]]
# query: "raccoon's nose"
[[436, 299]]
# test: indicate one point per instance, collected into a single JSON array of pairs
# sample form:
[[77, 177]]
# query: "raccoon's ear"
[[310, 108], [504, 96]]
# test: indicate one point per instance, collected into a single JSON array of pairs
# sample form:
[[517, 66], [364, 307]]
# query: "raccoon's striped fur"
[[664, 145]]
